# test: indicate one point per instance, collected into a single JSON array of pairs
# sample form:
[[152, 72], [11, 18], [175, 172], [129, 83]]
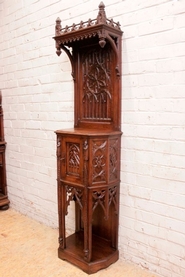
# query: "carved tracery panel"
[[97, 88], [99, 161], [99, 198], [113, 159], [73, 152], [75, 194], [113, 197]]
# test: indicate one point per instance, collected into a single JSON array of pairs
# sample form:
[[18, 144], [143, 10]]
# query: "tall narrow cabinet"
[[4, 202], [88, 156]]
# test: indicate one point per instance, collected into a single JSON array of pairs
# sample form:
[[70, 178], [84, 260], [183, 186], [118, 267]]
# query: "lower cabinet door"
[[72, 159]]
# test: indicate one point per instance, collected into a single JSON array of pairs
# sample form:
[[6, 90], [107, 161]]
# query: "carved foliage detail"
[[73, 194], [73, 167], [61, 242], [58, 156], [113, 160], [85, 155], [113, 194], [97, 88], [99, 161]]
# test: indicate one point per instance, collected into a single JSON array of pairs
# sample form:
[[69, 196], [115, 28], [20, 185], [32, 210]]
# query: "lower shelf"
[[102, 254], [4, 202]]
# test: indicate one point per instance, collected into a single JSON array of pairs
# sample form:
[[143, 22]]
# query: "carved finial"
[[81, 25], [101, 18], [58, 26], [102, 42], [89, 22], [73, 27], [58, 52], [102, 36], [118, 24], [101, 6]]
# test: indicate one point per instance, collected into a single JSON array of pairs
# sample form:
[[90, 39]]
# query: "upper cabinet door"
[[97, 84]]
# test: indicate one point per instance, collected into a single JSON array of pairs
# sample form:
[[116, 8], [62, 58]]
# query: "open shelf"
[[103, 254]]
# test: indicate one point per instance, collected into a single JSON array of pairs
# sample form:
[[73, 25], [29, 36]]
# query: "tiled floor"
[[29, 249]]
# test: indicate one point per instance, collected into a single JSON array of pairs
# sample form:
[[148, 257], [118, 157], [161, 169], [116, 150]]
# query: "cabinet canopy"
[[102, 27], [94, 50]]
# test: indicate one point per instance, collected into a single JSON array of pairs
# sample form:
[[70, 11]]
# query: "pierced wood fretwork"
[[99, 199], [73, 194], [88, 155]]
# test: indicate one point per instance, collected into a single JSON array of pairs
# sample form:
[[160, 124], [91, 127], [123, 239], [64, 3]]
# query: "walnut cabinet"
[[88, 155]]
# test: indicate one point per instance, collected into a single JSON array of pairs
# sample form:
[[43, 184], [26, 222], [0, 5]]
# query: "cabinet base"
[[4, 202], [102, 254]]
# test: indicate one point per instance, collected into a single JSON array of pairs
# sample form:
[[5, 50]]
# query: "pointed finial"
[[101, 18], [58, 26], [101, 5]]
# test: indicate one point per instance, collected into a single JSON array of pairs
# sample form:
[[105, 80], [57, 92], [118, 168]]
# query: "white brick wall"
[[38, 99]]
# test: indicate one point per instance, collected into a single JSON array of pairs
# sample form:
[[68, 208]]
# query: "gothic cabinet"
[[4, 202], [88, 156]]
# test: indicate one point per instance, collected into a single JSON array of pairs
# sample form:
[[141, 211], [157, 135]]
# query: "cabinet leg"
[[88, 228], [78, 226], [62, 213], [4, 207]]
